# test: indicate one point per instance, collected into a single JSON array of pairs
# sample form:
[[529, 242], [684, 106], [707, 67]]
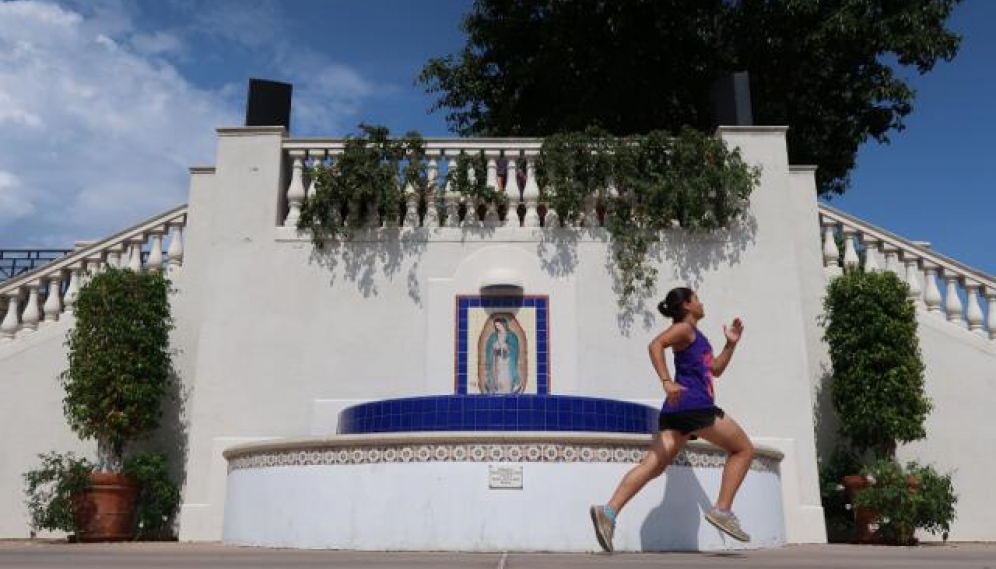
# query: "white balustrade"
[[991, 306], [850, 251], [512, 192], [431, 203], [155, 261], [973, 312], [411, 206], [952, 303], [73, 289], [53, 304], [491, 218], [931, 294], [531, 194], [11, 320], [451, 198], [30, 317], [295, 191], [927, 273], [871, 250]]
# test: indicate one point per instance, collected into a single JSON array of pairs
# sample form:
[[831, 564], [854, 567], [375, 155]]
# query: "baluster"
[[589, 217], [512, 192], [373, 214], [30, 316], [973, 313], [174, 255], [450, 197], [411, 206], [53, 304], [850, 253], [892, 265], [530, 194], [911, 260], [155, 262], [11, 321], [491, 212], [317, 159], [991, 308], [135, 260], [931, 294], [831, 255], [871, 251], [73, 290], [295, 191], [431, 209], [113, 256], [952, 304]]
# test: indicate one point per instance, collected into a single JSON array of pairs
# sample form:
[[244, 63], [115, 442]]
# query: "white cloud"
[[96, 136], [99, 126]]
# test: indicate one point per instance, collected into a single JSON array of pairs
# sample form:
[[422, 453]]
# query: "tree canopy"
[[829, 69]]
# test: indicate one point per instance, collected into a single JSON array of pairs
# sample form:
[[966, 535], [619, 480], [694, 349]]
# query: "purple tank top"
[[693, 371]]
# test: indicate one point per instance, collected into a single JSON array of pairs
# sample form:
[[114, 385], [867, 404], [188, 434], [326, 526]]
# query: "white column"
[[831, 255], [317, 158], [411, 206], [174, 256], [973, 312], [871, 251], [113, 259], [589, 217], [30, 316], [931, 294], [530, 194], [911, 260], [470, 218], [850, 253], [373, 215], [450, 197], [11, 321], [73, 290], [491, 213], [135, 260], [952, 304], [295, 191], [512, 193], [53, 304], [156, 252], [892, 259], [991, 308], [431, 209]]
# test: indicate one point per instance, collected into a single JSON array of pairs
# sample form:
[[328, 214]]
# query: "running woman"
[[689, 411]]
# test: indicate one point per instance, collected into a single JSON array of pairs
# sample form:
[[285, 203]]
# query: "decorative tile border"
[[480, 452]]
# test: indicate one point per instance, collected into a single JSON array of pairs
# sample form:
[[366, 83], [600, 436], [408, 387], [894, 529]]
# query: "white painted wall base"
[[448, 505]]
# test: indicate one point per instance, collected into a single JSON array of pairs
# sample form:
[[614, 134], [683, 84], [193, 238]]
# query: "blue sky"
[[105, 103]]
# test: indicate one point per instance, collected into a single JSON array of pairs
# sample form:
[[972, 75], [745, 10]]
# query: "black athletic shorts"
[[689, 421]]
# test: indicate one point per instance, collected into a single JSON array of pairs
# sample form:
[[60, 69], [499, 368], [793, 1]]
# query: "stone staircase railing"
[[969, 297], [40, 297], [511, 169]]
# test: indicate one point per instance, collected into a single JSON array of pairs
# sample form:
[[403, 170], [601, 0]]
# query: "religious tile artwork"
[[502, 345]]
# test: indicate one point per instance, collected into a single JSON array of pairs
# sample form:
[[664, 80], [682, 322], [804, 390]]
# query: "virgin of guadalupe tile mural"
[[502, 345]]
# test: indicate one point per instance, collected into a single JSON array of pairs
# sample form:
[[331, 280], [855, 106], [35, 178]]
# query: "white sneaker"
[[604, 528], [728, 523]]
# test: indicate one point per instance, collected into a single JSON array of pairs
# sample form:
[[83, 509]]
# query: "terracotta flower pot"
[[106, 511]]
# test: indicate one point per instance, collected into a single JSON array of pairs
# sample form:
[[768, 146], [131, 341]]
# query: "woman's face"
[[694, 306], [499, 327]]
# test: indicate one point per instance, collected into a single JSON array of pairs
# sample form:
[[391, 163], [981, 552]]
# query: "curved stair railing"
[[968, 300], [40, 297]]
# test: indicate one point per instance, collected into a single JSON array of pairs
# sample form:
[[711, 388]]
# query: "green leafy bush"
[[908, 498], [158, 495], [50, 489], [877, 387], [120, 364]]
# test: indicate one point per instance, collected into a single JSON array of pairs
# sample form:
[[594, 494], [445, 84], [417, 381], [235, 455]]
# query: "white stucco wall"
[[31, 418], [273, 340]]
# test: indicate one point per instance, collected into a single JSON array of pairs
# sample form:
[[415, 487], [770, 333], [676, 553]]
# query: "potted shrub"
[[898, 500], [877, 389], [120, 368]]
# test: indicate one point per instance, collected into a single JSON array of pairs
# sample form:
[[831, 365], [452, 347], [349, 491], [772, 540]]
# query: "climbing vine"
[[641, 186]]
